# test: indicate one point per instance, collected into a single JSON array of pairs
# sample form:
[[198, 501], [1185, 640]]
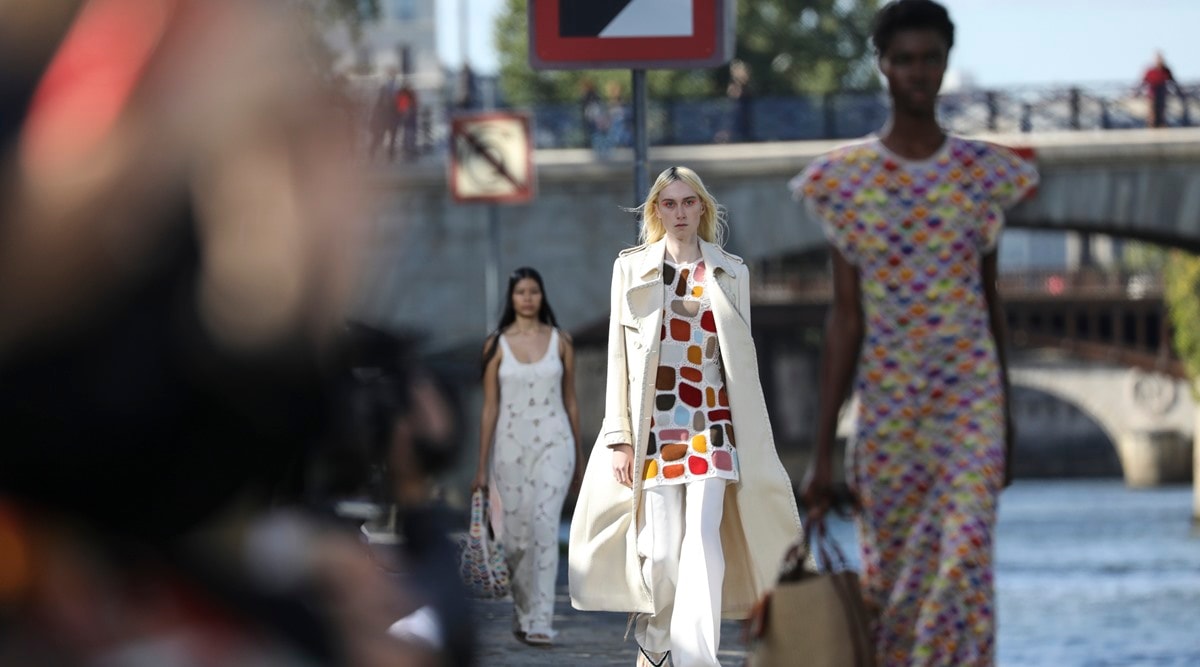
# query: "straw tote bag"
[[481, 561], [812, 618]]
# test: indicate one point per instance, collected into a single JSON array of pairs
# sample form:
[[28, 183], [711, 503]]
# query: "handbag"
[[813, 618], [481, 563]]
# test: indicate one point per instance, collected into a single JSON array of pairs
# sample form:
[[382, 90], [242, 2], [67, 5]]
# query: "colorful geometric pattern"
[[481, 562], [928, 456], [691, 432]]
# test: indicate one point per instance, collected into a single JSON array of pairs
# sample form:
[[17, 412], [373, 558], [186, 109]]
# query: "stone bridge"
[[1149, 417], [426, 271]]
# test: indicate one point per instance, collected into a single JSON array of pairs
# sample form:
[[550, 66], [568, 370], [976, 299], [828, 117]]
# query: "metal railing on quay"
[[844, 115], [816, 287]]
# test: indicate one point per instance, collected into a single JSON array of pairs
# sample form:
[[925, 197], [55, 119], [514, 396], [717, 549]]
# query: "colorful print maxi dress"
[[691, 434], [927, 458]]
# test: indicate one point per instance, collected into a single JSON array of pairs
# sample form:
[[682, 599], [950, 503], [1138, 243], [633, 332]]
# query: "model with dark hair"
[[913, 217], [685, 510], [531, 417]]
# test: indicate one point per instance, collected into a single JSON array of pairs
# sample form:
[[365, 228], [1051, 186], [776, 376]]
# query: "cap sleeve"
[[1008, 179], [820, 186]]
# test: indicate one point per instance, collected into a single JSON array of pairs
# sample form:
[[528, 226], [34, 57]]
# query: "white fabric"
[[532, 462], [684, 566], [421, 626]]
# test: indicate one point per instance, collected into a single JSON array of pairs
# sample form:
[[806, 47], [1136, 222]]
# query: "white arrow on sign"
[[652, 18]]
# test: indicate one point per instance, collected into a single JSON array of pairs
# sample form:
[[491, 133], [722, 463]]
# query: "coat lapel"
[[644, 297], [722, 286]]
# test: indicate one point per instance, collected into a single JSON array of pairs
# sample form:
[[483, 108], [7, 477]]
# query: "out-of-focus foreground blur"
[[183, 410]]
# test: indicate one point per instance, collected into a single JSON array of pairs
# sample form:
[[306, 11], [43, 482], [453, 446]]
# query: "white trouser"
[[679, 541]]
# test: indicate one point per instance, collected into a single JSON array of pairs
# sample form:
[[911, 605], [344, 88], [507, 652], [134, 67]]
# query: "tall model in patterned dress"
[[531, 416], [686, 431], [913, 217]]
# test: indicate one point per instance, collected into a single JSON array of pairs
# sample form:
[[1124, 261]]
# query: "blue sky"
[[1000, 42]]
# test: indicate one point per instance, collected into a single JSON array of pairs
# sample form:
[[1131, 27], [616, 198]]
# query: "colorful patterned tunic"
[[928, 457], [691, 434]]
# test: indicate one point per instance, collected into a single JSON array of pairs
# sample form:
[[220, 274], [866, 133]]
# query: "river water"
[[1091, 574]]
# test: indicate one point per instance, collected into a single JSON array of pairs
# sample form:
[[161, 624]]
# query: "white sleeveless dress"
[[532, 462]]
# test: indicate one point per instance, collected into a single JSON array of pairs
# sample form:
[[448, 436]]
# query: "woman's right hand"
[[622, 464], [816, 492], [480, 481]]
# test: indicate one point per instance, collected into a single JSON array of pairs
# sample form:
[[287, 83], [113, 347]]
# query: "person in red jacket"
[[1155, 80]]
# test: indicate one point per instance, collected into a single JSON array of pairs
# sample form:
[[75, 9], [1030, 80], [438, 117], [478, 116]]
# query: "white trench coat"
[[760, 516]]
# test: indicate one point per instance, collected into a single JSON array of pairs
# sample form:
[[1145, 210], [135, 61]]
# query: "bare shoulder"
[[493, 351]]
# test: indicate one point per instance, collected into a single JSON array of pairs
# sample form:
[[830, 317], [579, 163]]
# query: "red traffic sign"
[[491, 158], [630, 34]]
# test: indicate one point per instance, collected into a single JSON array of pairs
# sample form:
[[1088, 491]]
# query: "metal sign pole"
[[640, 177], [491, 162], [492, 267]]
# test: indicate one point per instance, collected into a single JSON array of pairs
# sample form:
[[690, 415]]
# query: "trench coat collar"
[[652, 259]]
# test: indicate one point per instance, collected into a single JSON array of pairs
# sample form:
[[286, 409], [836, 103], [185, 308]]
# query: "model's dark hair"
[[910, 15], [545, 313]]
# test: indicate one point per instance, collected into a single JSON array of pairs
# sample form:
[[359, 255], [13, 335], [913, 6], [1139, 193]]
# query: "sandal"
[[538, 639], [645, 659]]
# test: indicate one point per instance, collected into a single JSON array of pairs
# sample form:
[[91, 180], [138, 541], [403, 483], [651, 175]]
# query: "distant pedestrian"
[[530, 431], [617, 115], [685, 428], [741, 96], [913, 217], [465, 98], [593, 116], [408, 110], [385, 117], [1155, 81]]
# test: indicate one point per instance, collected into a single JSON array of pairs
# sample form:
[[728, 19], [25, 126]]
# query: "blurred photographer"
[[178, 221]]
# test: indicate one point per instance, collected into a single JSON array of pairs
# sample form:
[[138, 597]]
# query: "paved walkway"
[[584, 639]]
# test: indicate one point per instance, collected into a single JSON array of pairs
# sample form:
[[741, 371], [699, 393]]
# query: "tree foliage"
[[354, 14], [790, 47], [1182, 295], [807, 46]]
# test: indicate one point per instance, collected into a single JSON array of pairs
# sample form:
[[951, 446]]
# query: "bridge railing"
[[816, 287], [853, 114], [1082, 283], [1112, 316]]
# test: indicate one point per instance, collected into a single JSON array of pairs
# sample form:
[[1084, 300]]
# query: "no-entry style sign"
[[491, 158], [630, 34]]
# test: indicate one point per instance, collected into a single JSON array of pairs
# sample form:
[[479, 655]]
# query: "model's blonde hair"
[[712, 220]]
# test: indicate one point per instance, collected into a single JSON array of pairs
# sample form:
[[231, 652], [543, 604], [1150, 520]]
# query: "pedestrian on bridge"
[[1155, 81], [913, 217], [530, 427], [711, 513]]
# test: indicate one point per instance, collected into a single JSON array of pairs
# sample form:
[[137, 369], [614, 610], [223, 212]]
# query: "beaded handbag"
[[481, 561]]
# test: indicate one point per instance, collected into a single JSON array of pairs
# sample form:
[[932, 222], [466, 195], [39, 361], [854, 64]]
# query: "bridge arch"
[[1057, 438], [1149, 417]]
